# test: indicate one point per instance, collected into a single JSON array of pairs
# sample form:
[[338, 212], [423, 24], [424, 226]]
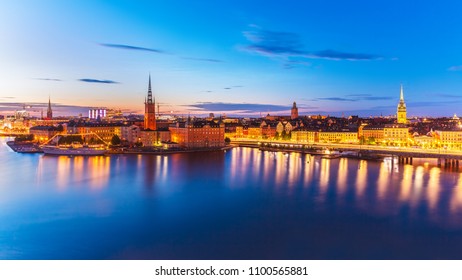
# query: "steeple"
[[150, 101], [401, 114], [49, 111], [150, 109], [401, 96]]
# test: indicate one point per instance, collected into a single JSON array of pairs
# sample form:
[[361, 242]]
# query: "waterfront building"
[[449, 138], [294, 112], [346, 137], [401, 114], [303, 135], [268, 129], [105, 131], [284, 126], [150, 109], [254, 130], [49, 111], [371, 133], [198, 134], [152, 138], [130, 133], [43, 133], [396, 133]]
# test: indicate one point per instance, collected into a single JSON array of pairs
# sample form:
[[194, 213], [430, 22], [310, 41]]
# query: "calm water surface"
[[242, 204]]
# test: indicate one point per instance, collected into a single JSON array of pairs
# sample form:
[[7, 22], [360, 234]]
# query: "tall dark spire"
[[150, 101], [49, 111]]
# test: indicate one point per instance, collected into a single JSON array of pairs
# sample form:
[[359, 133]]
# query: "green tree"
[[227, 140], [115, 140]]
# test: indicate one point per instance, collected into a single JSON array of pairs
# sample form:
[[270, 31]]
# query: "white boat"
[[72, 150], [76, 148]]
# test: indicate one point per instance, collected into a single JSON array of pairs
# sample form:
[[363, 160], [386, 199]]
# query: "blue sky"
[[234, 57]]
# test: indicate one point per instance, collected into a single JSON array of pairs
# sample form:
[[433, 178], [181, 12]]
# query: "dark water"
[[242, 204]]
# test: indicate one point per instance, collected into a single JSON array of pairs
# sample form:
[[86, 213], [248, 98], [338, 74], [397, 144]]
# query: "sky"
[[240, 57]]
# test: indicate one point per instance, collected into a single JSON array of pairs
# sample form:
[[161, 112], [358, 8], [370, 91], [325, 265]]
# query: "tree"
[[227, 140], [115, 140]]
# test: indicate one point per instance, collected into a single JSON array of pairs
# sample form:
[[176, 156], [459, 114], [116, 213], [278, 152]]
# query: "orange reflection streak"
[[293, 168], [164, 168], [406, 183], [99, 169], [433, 187], [456, 200], [280, 170], [267, 164], [361, 178], [63, 171], [78, 168], [342, 176], [383, 180], [257, 155], [324, 174], [308, 170]]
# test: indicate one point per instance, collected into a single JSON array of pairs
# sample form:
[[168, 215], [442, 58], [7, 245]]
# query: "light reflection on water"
[[176, 205]]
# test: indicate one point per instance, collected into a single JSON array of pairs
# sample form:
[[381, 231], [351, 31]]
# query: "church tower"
[[401, 112], [49, 111], [150, 110], [294, 112]]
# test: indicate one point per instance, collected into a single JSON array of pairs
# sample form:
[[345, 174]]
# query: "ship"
[[75, 148]]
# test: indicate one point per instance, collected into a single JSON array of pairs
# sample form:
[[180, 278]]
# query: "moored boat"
[[72, 150]]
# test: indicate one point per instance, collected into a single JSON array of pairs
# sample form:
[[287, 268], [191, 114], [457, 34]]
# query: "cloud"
[[336, 55], [131, 48], [49, 79], [455, 68], [227, 88], [449, 95], [240, 107], [97, 81], [286, 45], [202, 59]]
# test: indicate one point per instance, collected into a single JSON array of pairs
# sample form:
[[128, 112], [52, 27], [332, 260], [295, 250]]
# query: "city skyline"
[[240, 59]]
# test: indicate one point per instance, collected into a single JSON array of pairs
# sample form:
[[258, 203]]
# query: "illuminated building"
[[305, 136], [150, 109], [97, 113], [294, 112], [350, 137], [198, 134], [43, 133], [401, 111], [104, 131], [396, 133], [450, 138], [130, 133], [151, 138]]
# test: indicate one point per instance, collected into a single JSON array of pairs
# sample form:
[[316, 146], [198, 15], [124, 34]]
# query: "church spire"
[[150, 100], [401, 96], [49, 111]]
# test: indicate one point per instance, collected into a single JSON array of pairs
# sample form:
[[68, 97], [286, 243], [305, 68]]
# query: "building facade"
[[150, 110], [198, 134]]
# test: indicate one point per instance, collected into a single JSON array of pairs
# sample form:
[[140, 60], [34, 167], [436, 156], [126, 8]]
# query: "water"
[[242, 204]]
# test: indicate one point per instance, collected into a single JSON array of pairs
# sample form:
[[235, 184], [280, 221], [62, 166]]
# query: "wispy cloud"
[[131, 48], [455, 68], [138, 48], [239, 107], [286, 45], [448, 95], [49, 79], [98, 81]]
